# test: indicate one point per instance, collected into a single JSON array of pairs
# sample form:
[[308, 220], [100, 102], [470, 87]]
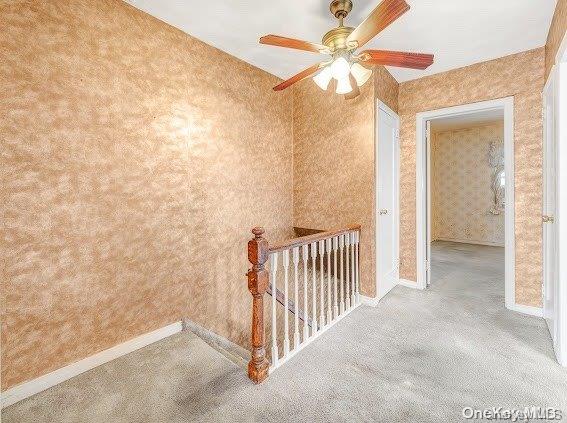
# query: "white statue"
[[496, 161]]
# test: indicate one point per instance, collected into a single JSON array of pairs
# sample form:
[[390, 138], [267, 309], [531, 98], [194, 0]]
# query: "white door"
[[428, 217], [387, 200], [549, 208]]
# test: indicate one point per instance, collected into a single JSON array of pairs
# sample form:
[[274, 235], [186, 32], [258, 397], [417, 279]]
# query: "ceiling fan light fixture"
[[340, 68], [323, 78], [360, 73], [342, 44], [343, 86]]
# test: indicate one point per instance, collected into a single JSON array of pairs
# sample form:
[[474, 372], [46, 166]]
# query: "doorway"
[[467, 184], [387, 219], [424, 121]]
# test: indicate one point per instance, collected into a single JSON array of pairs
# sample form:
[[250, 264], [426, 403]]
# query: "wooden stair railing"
[[258, 284], [333, 293]]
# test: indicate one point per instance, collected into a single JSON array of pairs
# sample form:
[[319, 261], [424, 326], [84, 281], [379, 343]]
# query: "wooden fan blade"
[[355, 90], [296, 78], [397, 58], [276, 40], [384, 14]]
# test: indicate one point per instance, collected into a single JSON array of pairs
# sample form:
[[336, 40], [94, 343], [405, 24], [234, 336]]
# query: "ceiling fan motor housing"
[[341, 8], [336, 38]]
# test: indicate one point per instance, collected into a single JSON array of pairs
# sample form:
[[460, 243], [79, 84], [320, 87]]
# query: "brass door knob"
[[547, 219]]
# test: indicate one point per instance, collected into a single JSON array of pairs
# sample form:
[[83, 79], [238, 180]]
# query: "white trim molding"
[[34, 386], [409, 284], [369, 301], [530, 310], [468, 241], [423, 195], [561, 213]]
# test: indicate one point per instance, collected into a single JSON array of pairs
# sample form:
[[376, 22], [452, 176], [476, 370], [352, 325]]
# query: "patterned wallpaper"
[[461, 186], [556, 33], [135, 159], [519, 75]]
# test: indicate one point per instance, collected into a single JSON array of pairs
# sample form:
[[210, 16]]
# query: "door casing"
[[423, 195]]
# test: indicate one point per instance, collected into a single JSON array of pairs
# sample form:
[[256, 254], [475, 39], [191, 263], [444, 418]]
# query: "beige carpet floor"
[[420, 356]]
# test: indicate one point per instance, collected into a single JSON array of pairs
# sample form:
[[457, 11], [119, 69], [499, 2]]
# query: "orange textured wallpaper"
[[520, 75], [386, 88], [135, 159], [334, 161], [556, 34]]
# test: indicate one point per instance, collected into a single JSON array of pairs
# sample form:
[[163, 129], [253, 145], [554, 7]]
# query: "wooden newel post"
[[258, 281]]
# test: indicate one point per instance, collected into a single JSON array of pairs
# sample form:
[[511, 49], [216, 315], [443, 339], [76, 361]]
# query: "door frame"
[[423, 194], [396, 214]]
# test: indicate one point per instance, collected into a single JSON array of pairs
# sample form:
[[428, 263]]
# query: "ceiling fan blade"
[[397, 58], [296, 78], [276, 40], [384, 14], [355, 90]]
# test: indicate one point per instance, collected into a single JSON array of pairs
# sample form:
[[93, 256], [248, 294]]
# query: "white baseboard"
[[532, 311], [408, 283], [468, 241], [369, 301], [34, 386]]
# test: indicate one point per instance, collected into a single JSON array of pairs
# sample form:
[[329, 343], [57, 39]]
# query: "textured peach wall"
[[556, 34], [334, 161], [386, 88], [520, 75], [135, 159]]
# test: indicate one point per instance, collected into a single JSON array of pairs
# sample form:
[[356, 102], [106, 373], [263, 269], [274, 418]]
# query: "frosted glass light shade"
[[360, 73], [343, 85], [323, 78], [340, 68]]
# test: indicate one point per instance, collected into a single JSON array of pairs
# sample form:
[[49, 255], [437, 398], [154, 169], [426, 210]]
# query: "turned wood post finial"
[[258, 281], [258, 231]]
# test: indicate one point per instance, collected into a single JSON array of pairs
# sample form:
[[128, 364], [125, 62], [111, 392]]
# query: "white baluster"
[[347, 271], [274, 269], [329, 315], [296, 297], [353, 270], [286, 301], [341, 246], [304, 254], [357, 240], [335, 301], [314, 288], [322, 287]]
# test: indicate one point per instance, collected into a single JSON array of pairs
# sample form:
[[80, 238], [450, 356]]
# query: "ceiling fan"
[[341, 42]]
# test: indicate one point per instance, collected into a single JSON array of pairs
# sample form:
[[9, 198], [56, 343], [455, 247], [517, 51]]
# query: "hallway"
[[418, 356]]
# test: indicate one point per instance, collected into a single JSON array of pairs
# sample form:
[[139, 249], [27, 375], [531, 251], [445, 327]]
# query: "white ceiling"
[[458, 32], [468, 120]]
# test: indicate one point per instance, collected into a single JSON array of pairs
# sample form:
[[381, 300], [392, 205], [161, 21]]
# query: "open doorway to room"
[[465, 204], [467, 188]]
